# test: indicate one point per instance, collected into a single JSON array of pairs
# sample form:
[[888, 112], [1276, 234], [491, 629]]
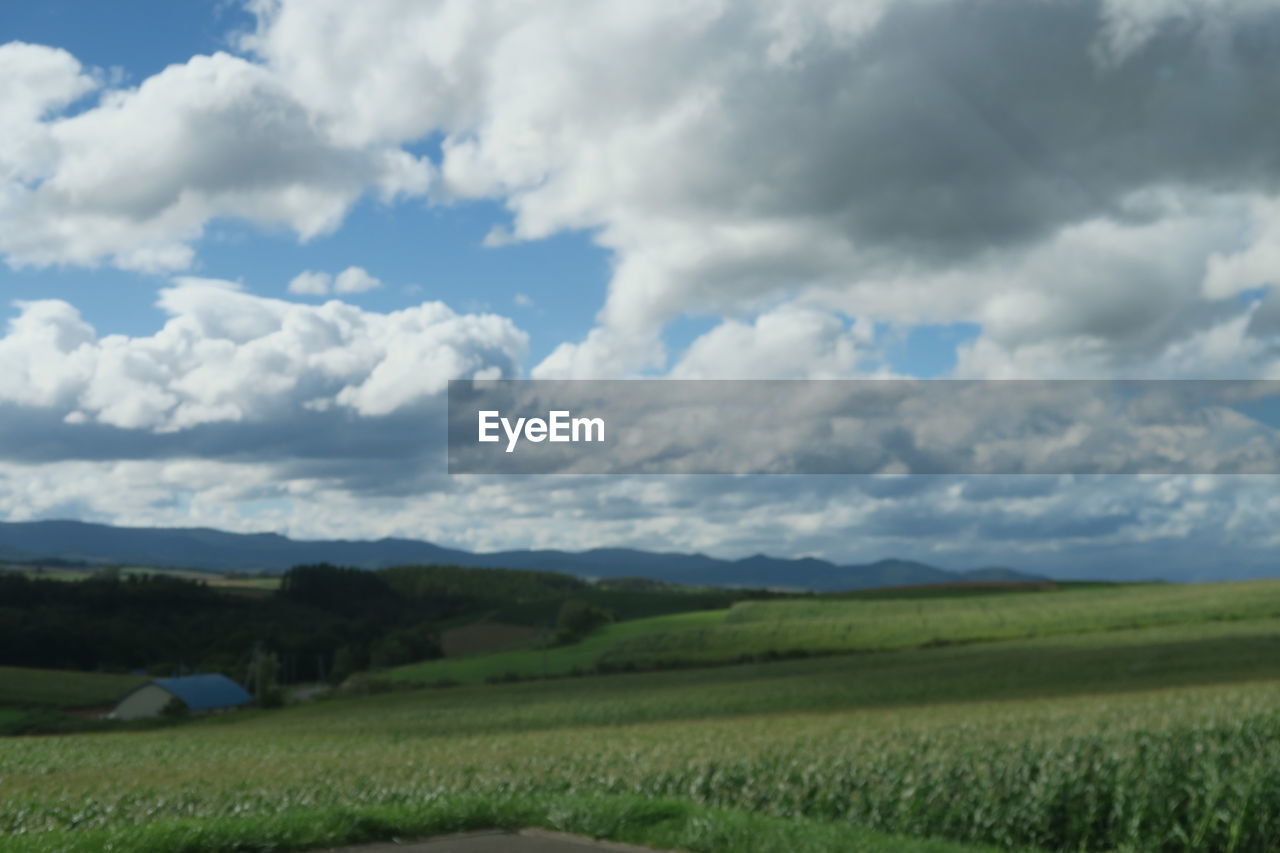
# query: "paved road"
[[497, 841]]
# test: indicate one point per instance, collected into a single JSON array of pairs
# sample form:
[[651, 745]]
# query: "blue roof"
[[204, 692]]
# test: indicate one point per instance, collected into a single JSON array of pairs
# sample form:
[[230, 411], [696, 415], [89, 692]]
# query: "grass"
[[761, 629], [12, 719], [623, 604], [69, 575], [1091, 736], [213, 579], [230, 582], [841, 625], [61, 688], [534, 661], [1042, 669], [665, 823], [1155, 739]]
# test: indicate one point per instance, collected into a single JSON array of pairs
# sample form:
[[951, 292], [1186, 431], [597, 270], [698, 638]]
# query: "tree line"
[[323, 622]]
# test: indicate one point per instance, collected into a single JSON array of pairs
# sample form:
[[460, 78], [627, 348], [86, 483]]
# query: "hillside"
[[1153, 736], [766, 630], [204, 548]]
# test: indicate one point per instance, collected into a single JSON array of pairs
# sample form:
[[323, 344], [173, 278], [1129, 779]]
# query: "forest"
[[324, 622]]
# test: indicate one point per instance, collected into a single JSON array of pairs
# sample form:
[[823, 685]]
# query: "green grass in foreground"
[[1162, 739], [669, 824], [62, 688]]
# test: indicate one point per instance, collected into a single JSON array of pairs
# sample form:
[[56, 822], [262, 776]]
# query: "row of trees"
[[323, 621]]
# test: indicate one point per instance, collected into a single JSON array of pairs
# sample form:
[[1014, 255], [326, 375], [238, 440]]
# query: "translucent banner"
[[864, 427]]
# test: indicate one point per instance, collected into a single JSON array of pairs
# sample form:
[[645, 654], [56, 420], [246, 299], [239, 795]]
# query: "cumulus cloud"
[[862, 150], [350, 280], [886, 161], [228, 356], [786, 343], [1092, 184], [311, 283], [134, 179], [34, 81], [354, 280]]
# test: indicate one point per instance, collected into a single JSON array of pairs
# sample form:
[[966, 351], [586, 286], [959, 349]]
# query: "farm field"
[[826, 625], [57, 574], [1152, 739], [214, 579], [533, 661], [625, 605], [20, 686], [762, 628]]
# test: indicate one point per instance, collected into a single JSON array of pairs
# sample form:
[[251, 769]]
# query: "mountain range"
[[204, 548]]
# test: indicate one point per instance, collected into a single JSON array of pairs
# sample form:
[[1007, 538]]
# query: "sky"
[[246, 245]]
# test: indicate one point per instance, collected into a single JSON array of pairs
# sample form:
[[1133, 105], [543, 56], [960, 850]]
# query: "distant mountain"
[[203, 548]]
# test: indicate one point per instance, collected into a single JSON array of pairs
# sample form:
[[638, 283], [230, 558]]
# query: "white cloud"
[[1094, 184], [1255, 262], [310, 283], [1172, 527], [787, 343], [350, 280], [135, 179], [877, 159], [228, 356], [34, 81], [354, 280], [893, 154]]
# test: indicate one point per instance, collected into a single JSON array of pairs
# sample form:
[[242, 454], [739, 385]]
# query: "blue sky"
[[139, 37], [757, 190]]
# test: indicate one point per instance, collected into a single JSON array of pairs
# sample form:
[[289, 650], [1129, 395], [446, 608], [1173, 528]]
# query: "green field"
[[826, 625], [536, 661], [216, 579], [59, 688], [621, 604], [1158, 738]]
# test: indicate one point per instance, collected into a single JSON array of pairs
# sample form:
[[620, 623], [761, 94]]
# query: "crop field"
[[214, 579], [231, 582], [763, 629], [1153, 739], [624, 605], [56, 574], [534, 661], [827, 625], [59, 688]]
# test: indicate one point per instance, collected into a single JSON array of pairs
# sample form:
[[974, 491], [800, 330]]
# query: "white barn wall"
[[146, 701]]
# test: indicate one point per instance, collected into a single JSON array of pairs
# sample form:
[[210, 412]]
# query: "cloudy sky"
[[246, 244]]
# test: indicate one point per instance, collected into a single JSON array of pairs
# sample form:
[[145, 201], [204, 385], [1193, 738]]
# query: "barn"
[[199, 693]]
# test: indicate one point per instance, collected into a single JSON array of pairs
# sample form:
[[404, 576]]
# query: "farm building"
[[198, 692]]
